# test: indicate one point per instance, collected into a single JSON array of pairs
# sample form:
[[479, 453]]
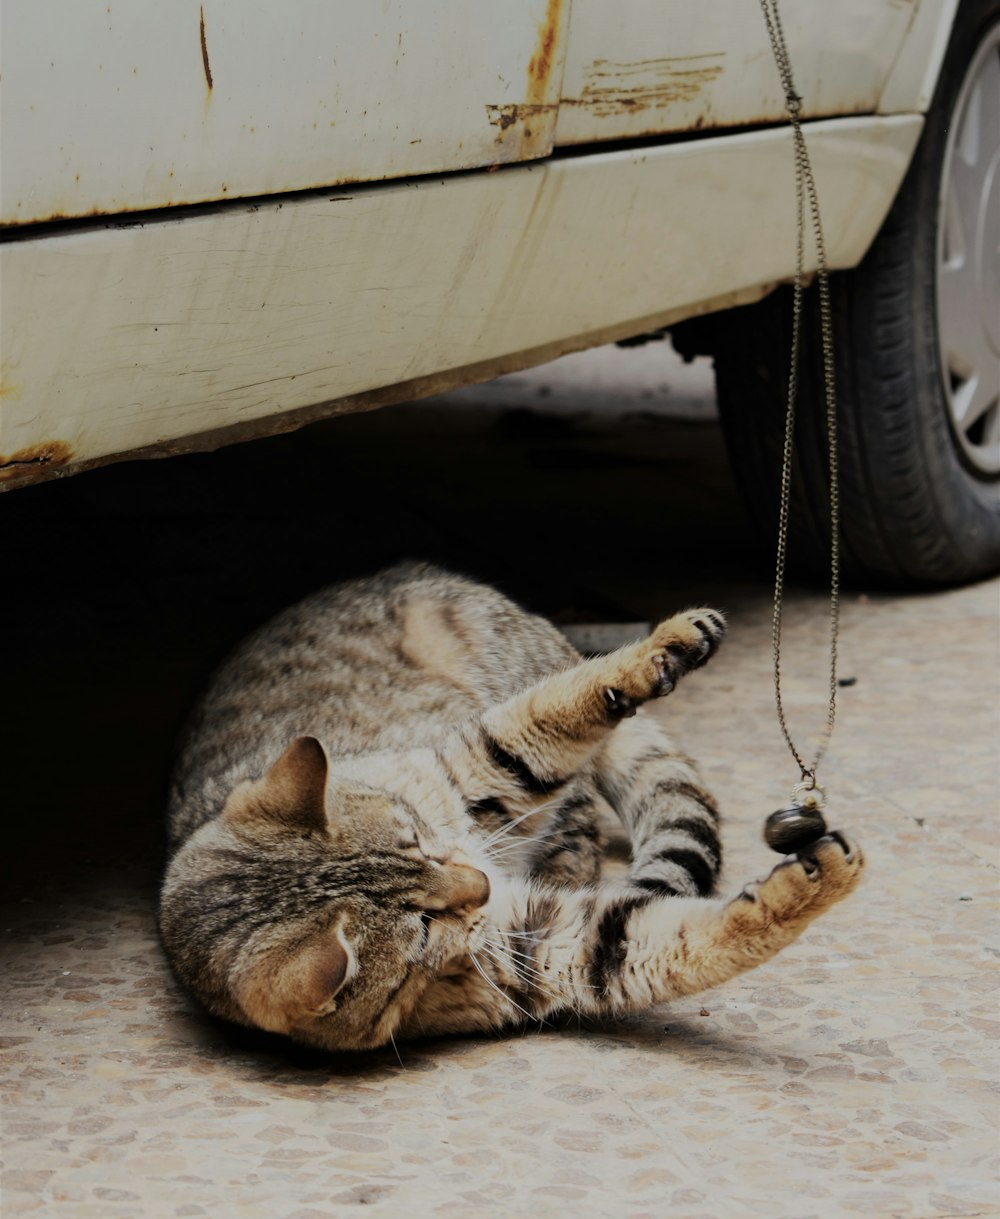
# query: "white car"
[[231, 218]]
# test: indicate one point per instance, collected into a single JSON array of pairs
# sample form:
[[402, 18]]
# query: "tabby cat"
[[385, 823]]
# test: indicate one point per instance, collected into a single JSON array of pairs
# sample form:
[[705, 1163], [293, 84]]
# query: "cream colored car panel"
[[122, 337], [910, 84], [121, 107]]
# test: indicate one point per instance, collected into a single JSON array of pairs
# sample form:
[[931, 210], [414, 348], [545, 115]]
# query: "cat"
[[386, 823]]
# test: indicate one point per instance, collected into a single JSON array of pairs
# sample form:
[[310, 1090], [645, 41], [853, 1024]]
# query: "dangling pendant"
[[791, 830]]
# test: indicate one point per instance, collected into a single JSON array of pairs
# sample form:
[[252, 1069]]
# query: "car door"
[[114, 107]]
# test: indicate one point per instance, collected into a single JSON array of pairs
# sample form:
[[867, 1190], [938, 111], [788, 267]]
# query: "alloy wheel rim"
[[968, 263]]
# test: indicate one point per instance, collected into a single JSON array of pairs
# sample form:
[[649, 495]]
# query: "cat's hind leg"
[[571, 849], [671, 820]]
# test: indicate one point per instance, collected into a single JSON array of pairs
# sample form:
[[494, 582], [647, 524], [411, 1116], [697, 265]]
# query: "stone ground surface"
[[857, 1074]]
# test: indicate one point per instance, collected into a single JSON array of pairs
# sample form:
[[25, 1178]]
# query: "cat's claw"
[[619, 704]]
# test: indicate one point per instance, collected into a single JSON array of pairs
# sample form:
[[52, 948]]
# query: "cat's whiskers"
[[542, 978], [517, 844], [500, 959], [392, 1041], [508, 826], [514, 952], [530, 962], [503, 995]]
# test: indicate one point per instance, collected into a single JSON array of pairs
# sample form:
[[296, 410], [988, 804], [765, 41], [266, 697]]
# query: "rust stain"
[[510, 113], [204, 47], [28, 463], [518, 137], [55, 218], [540, 64], [649, 84]]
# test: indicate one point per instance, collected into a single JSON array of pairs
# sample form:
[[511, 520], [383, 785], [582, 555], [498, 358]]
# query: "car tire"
[[920, 496]]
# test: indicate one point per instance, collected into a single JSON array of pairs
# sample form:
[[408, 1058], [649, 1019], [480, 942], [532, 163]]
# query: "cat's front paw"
[[682, 643], [802, 886], [652, 667]]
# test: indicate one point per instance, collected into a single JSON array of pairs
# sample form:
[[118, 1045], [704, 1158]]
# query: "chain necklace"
[[805, 188]]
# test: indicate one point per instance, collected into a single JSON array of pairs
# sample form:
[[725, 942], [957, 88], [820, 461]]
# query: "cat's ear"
[[297, 984], [290, 796]]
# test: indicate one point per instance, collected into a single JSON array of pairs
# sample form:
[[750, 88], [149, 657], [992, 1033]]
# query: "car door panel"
[[111, 108]]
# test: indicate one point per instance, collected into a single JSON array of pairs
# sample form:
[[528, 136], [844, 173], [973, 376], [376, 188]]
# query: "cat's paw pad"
[[683, 643]]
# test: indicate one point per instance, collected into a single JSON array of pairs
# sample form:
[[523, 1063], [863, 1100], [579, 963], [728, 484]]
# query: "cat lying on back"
[[384, 824]]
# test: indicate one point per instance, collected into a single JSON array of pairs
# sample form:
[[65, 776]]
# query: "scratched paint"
[[649, 67], [650, 84], [204, 48]]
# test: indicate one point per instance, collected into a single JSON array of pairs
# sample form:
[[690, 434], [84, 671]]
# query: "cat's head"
[[317, 907]]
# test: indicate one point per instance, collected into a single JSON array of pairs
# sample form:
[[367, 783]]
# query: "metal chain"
[[805, 186]]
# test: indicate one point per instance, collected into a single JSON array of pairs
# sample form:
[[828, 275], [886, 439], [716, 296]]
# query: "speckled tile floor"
[[857, 1074]]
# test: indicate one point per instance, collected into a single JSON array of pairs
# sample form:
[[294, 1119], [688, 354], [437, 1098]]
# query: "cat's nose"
[[464, 888]]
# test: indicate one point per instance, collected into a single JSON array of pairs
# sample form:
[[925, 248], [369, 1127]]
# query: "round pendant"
[[790, 829]]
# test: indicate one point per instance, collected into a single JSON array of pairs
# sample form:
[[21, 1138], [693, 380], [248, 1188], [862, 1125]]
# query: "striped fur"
[[386, 822]]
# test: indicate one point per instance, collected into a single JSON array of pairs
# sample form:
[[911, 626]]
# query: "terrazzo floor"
[[856, 1074]]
